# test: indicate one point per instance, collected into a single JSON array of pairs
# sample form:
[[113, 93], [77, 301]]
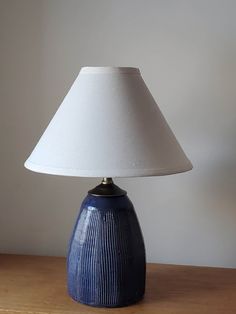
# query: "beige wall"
[[186, 51]]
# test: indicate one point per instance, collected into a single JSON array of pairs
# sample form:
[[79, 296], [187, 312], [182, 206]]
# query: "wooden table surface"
[[30, 284]]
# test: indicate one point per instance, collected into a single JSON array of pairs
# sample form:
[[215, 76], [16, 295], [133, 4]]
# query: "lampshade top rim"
[[109, 69]]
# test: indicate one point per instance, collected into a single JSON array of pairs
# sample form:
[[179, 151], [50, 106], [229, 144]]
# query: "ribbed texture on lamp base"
[[106, 259]]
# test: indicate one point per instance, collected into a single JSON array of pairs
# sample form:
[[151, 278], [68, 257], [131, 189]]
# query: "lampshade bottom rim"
[[103, 173]]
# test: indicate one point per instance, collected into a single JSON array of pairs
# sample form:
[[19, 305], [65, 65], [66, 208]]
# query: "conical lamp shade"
[[108, 125]]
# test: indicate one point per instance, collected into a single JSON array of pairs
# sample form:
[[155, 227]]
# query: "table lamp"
[[108, 125]]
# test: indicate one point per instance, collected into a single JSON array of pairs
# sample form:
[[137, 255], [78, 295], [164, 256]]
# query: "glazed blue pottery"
[[106, 258]]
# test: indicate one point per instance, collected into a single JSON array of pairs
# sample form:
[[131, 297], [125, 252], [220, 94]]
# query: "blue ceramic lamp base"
[[106, 259]]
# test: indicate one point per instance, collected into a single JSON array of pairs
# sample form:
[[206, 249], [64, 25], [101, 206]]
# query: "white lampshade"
[[108, 125]]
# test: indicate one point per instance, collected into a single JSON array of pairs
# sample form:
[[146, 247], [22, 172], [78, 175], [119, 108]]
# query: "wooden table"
[[30, 284]]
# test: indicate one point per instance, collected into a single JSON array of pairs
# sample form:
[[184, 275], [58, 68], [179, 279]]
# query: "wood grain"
[[30, 285]]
